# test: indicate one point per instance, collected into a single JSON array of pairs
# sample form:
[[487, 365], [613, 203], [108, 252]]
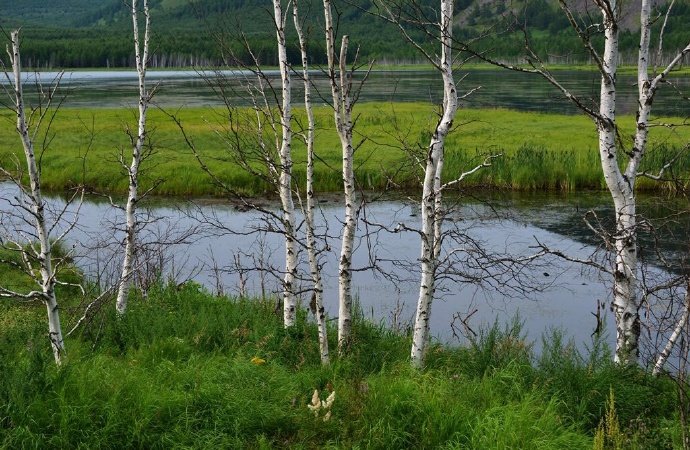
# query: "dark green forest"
[[87, 33]]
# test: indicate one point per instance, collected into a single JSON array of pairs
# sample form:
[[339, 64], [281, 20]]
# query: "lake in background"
[[498, 89]]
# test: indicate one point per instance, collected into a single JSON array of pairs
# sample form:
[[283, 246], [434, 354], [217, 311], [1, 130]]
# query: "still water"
[[498, 89], [549, 294]]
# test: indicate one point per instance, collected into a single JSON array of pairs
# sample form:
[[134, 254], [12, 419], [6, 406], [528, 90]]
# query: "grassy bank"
[[539, 151], [186, 369]]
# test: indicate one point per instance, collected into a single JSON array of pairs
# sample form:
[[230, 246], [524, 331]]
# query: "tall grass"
[[187, 369], [538, 151]]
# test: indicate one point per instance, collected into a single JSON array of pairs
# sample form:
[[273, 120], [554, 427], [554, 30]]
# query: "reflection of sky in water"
[[499, 89]]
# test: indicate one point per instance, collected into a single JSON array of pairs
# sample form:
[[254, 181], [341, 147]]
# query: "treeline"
[[212, 33]]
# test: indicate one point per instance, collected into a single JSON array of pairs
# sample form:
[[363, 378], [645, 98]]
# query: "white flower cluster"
[[318, 406]]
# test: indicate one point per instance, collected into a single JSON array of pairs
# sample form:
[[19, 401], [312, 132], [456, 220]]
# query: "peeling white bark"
[[431, 192], [37, 206], [285, 181], [342, 108], [131, 225], [314, 267]]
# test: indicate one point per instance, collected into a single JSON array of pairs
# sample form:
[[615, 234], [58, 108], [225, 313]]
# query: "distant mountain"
[[96, 33]]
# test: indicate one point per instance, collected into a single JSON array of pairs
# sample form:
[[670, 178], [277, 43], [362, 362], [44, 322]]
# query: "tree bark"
[[37, 206], [345, 262], [680, 325], [625, 303]]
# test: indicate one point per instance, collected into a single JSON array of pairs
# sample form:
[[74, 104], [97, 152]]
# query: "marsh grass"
[[539, 151], [178, 371]]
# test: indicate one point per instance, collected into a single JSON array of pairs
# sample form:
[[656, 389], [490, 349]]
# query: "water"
[[498, 89], [551, 294]]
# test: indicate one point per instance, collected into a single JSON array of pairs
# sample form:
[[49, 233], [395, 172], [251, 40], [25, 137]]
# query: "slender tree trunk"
[[315, 269], [141, 57], [345, 262], [37, 211], [285, 183], [431, 193], [625, 304], [342, 109]]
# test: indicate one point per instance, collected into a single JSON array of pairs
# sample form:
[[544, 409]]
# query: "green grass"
[[177, 371], [539, 151]]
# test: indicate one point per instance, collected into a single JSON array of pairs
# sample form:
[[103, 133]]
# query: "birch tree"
[[312, 252], [433, 213], [620, 159], [341, 86], [620, 178], [259, 141], [141, 52], [285, 181], [36, 254], [447, 252], [678, 332], [431, 193]]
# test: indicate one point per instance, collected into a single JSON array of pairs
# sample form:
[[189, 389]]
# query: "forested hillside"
[[84, 33]]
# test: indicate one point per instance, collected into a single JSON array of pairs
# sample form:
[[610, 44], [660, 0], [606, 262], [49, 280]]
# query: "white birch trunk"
[[37, 207], [315, 269], [131, 224], [342, 108], [345, 262], [431, 193], [285, 182], [625, 304]]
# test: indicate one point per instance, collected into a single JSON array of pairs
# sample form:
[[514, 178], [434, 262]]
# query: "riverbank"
[[185, 368], [533, 151]]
